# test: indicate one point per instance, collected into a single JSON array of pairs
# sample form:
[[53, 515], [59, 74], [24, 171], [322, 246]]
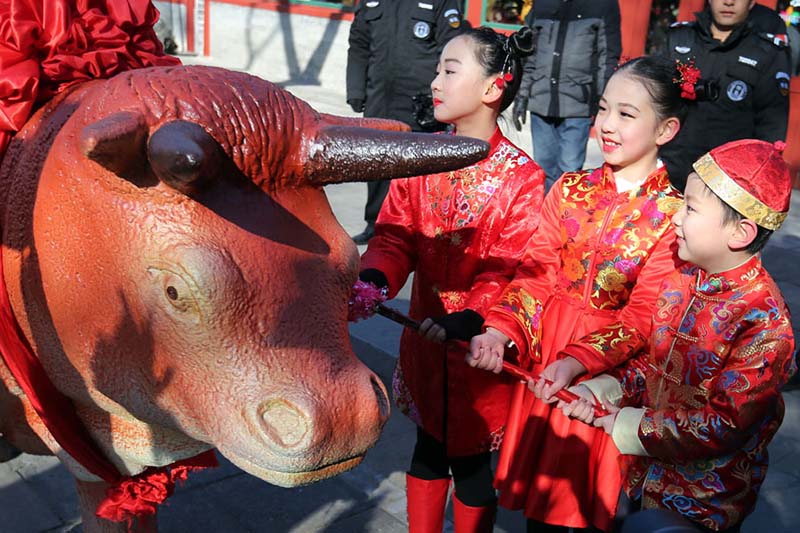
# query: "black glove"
[[461, 325], [357, 104], [519, 112], [374, 276]]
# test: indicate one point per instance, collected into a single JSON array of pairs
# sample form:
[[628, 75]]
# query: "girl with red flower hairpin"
[[462, 233], [604, 241]]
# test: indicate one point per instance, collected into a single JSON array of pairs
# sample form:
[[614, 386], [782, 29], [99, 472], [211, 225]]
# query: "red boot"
[[426, 500], [473, 519]]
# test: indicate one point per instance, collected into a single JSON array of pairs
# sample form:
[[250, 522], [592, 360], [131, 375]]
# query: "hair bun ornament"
[[520, 43], [687, 78], [779, 145]]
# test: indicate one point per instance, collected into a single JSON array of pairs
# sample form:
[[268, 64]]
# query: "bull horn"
[[183, 155], [341, 154], [358, 122], [116, 142]]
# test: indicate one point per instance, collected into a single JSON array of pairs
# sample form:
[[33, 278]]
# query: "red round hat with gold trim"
[[751, 177]]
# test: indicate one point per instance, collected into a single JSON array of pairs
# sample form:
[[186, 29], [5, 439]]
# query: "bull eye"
[[179, 292]]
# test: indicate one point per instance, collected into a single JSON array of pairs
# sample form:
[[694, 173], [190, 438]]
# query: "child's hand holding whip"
[[366, 299]]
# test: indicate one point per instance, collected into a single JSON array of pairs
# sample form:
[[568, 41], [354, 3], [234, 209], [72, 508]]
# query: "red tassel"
[[141, 494]]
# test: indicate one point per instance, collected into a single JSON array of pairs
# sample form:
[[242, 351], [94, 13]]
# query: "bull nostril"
[[380, 395], [284, 423]]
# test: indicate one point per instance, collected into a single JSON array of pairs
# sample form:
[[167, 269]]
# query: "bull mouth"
[[295, 479]]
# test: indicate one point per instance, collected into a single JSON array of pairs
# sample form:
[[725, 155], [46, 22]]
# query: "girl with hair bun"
[[462, 233], [604, 243]]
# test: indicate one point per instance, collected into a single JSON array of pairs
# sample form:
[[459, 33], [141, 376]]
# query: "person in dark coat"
[[746, 69], [577, 49], [394, 47]]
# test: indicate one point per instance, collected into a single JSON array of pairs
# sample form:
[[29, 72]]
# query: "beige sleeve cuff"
[[626, 431], [606, 389]]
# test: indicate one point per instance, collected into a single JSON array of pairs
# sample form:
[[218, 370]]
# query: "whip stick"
[[509, 368]]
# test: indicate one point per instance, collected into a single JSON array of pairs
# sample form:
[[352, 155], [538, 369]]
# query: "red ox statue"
[[174, 265]]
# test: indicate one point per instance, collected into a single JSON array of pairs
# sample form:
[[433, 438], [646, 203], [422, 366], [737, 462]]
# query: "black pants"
[[472, 474], [376, 193]]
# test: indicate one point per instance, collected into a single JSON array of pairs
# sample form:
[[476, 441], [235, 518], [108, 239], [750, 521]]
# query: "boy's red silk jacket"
[[462, 233], [708, 380]]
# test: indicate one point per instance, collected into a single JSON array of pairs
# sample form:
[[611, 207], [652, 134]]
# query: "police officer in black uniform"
[[394, 48], [749, 71]]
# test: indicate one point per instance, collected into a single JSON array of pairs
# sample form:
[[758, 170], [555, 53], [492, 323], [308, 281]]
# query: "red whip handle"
[[563, 394], [404, 320]]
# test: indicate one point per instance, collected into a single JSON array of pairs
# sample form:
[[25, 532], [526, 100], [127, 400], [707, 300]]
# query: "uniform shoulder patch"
[[779, 40], [453, 17], [783, 79]]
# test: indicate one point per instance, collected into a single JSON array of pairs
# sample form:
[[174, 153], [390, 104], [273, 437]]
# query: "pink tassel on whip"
[[364, 299]]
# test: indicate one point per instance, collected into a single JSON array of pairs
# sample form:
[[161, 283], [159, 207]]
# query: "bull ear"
[[117, 143], [342, 154], [183, 155]]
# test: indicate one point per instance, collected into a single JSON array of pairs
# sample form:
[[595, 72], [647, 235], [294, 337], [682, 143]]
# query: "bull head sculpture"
[[172, 259]]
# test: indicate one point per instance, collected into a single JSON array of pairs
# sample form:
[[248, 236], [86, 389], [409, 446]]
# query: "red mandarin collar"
[[730, 280], [657, 179], [493, 141]]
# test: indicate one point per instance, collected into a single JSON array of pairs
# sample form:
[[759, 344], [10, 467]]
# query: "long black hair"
[[498, 55]]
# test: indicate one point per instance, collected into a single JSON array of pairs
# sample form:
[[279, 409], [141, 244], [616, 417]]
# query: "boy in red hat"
[[694, 411]]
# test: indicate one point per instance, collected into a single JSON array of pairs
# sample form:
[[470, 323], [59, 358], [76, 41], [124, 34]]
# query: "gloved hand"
[[357, 104], [519, 112], [461, 325], [374, 276]]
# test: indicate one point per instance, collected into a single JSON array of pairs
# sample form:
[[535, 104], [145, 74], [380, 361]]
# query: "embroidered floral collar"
[[656, 180], [729, 280]]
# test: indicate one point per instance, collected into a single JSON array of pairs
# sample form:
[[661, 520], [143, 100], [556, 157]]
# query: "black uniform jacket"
[[752, 73], [394, 48]]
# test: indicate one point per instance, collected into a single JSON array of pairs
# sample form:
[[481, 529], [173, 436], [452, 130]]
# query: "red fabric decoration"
[[363, 299], [500, 82], [688, 76], [46, 46], [508, 76], [141, 494]]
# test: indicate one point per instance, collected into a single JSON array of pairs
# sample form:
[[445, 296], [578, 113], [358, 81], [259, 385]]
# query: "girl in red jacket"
[[462, 233], [604, 243]]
